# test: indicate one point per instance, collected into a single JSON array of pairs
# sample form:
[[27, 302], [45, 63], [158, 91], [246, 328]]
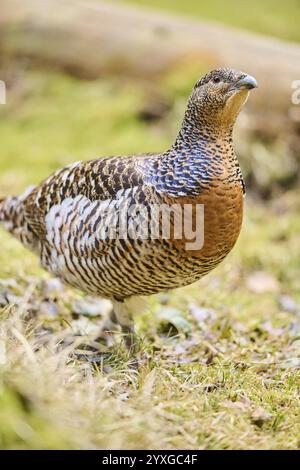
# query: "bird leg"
[[125, 320], [108, 326], [129, 338]]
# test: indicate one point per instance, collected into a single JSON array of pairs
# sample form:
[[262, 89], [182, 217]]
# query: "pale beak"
[[248, 82]]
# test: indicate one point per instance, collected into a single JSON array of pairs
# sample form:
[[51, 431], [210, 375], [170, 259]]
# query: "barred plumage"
[[64, 218]]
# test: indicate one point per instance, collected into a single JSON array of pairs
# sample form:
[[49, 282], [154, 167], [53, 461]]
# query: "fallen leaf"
[[267, 326], [260, 282], [91, 307], [212, 387], [175, 318], [48, 309], [293, 362], [259, 416], [52, 288], [288, 304], [201, 315]]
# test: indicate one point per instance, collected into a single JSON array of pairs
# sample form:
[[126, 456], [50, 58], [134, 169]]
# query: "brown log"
[[91, 37]]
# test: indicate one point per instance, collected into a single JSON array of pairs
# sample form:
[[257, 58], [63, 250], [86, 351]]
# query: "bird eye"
[[216, 79]]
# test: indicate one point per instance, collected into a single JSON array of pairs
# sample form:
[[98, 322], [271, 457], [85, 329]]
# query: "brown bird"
[[73, 219]]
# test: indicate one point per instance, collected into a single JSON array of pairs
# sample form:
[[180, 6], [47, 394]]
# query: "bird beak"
[[247, 83]]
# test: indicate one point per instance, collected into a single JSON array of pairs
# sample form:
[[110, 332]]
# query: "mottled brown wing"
[[97, 180], [83, 238]]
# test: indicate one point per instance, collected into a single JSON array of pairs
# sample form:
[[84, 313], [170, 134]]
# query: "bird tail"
[[13, 219], [9, 209], [3, 211]]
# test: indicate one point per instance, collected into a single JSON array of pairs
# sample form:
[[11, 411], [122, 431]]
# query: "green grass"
[[270, 17], [230, 382]]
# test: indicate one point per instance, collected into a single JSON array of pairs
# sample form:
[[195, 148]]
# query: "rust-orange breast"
[[223, 215]]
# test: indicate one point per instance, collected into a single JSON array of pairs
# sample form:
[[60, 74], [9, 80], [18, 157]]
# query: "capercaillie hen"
[[63, 219]]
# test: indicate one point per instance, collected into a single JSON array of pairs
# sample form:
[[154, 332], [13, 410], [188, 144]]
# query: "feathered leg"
[[124, 318]]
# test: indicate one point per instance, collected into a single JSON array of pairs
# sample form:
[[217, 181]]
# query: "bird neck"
[[207, 136], [199, 156]]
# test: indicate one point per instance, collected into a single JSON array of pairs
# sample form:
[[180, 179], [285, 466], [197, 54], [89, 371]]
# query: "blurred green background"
[[233, 380]]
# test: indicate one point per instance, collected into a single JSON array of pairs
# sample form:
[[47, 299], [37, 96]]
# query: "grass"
[[268, 17], [225, 377]]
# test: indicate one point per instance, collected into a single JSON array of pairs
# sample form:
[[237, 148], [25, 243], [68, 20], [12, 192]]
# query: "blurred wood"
[[92, 38]]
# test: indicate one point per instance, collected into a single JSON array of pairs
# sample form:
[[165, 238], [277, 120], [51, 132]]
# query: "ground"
[[219, 360]]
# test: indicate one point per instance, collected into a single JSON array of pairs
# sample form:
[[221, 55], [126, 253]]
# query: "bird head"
[[218, 97]]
